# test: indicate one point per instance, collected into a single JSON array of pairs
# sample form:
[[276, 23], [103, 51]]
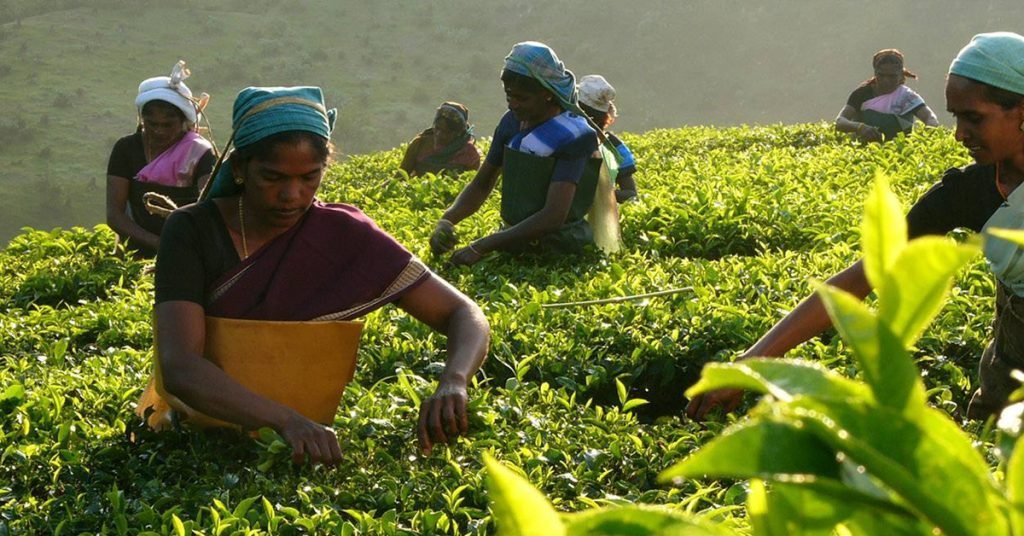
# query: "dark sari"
[[335, 264]]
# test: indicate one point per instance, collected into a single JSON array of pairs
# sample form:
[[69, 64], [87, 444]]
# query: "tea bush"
[[739, 219]]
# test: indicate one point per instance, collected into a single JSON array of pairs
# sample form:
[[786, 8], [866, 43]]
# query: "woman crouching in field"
[[543, 146], [883, 106], [448, 145], [263, 249], [985, 93]]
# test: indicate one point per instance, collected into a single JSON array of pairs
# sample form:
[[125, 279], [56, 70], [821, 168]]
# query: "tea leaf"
[[637, 521], [888, 369], [914, 289], [519, 509], [883, 230], [759, 448]]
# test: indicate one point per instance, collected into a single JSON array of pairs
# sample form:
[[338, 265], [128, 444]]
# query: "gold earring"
[[239, 180]]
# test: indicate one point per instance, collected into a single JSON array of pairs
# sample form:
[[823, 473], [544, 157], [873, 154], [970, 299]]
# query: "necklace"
[[241, 224], [1004, 189]]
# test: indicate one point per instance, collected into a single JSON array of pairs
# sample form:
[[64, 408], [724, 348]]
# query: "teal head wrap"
[[260, 112], [996, 59], [539, 62]]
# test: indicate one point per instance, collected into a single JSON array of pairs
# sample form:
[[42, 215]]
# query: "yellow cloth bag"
[[303, 365]]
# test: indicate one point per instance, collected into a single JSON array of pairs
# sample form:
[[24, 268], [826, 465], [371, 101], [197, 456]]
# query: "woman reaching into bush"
[[543, 147], [263, 249], [985, 93], [883, 106]]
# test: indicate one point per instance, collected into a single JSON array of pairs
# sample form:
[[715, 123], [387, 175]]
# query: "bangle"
[[859, 126], [473, 250], [446, 222]]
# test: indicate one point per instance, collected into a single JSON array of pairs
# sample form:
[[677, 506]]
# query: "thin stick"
[[618, 299]]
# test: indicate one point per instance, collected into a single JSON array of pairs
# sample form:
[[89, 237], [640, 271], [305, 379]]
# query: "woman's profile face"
[[990, 132], [280, 187], [888, 77], [162, 128]]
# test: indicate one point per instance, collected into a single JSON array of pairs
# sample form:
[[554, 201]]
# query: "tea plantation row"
[[739, 218]]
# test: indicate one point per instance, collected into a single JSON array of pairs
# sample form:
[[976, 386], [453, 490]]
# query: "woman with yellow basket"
[[255, 288]]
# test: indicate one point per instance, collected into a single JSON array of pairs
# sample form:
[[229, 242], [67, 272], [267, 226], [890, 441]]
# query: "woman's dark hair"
[[523, 82], [163, 106], [264, 148]]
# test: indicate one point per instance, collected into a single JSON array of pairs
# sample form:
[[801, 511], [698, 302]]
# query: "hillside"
[[69, 68], [744, 217]]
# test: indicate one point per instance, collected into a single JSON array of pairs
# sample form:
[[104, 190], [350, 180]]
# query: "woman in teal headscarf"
[[263, 250], [544, 147], [985, 93]]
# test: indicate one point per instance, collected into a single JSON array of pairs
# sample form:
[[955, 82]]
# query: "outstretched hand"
[[869, 134], [443, 416], [308, 438], [466, 256], [443, 239], [700, 405]]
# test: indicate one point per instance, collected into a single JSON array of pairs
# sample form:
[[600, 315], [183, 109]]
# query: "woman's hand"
[[466, 256], [443, 239], [306, 437], [443, 416], [867, 133], [700, 405]]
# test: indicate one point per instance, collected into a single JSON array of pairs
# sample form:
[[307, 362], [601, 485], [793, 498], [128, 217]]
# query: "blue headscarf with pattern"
[[996, 59], [260, 112], [539, 62]]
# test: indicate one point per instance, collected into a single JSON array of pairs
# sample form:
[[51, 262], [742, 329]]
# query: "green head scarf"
[[539, 62], [260, 112], [996, 59]]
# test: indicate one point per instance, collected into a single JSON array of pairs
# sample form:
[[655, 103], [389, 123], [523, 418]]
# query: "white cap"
[[169, 89], [596, 92]]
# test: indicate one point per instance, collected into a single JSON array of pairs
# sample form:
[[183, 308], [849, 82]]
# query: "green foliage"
[[743, 216], [847, 456], [524, 511]]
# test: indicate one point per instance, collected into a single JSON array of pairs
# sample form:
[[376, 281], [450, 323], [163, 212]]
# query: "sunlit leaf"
[[887, 367], [782, 378], [519, 509], [1015, 488], [637, 521], [926, 460], [1013, 235], [824, 511], [915, 287], [883, 230], [759, 448]]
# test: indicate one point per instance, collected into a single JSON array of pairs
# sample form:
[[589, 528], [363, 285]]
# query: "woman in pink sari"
[[262, 248], [883, 106], [164, 156]]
